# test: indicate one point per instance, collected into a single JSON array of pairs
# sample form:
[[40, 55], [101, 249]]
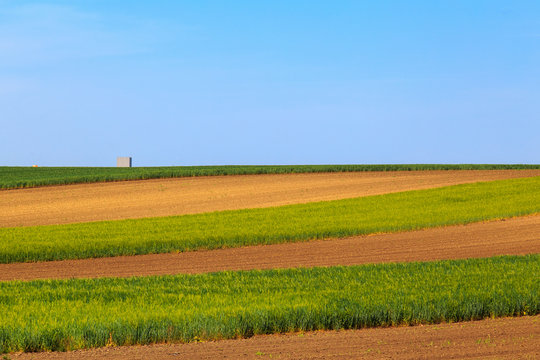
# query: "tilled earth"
[[516, 236], [503, 338], [507, 338], [163, 197]]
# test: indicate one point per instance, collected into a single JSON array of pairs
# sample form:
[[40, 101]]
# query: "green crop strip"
[[18, 177], [70, 314], [384, 213]]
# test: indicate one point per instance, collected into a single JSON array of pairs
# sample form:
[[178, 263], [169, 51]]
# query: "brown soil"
[[505, 338], [516, 236], [162, 197]]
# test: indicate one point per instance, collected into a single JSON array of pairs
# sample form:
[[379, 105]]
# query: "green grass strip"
[[70, 314], [18, 177], [384, 213]]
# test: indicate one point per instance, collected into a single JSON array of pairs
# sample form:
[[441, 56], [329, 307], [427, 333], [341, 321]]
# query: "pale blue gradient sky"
[[269, 82]]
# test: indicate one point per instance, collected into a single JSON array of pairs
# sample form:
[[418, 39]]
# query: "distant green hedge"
[[20, 177]]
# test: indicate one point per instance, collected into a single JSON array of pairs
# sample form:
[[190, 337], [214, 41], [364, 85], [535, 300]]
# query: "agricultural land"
[[287, 262], [20, 176]]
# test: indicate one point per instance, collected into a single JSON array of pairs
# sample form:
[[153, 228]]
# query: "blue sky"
[[269, 82]]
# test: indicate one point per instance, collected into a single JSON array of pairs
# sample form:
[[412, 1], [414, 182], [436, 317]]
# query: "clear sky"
[[269, 82]]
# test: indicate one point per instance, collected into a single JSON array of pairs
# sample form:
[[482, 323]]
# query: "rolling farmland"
[[515, 236], [71, 314], [403, 211], [490, 338], [180, 196], [421, 218]]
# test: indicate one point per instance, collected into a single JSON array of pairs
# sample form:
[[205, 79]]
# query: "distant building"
[[123, 161]]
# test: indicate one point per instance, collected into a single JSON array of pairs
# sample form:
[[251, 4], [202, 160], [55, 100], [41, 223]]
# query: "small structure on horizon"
[[123, 161]]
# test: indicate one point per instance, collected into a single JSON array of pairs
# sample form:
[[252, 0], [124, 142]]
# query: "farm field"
[[165, 197], [515, 236], [382, 248], [305, 235], [79, 313], [19, 176], [501, 338], [394, 212]]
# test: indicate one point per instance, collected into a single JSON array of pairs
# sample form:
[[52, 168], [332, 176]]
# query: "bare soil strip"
[[516, 236], [163, 197], [504, 338]]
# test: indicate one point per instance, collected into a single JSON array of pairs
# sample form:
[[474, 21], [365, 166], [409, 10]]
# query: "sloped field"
[[515, 236], [70, 314], [75, 313], [165, 197], [501, 338]]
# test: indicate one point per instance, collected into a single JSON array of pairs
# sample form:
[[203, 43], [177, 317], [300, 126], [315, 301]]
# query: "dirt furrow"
[[163, 197], [516, 236], [504, 338]]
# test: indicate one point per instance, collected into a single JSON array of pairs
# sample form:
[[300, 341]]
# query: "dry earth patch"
[[503, 338], [516, 236], [163, 197]]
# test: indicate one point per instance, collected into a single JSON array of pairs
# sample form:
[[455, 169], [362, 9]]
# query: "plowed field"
[[515, 236], [506, 338], [163, 197]]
